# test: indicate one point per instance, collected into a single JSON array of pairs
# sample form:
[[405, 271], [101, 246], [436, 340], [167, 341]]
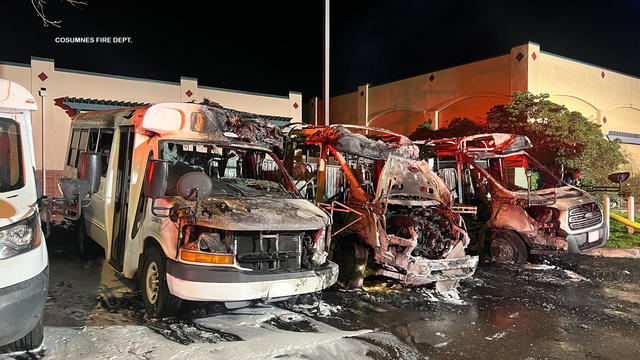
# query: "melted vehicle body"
[[526, 209], [391, 214], [228, 224]]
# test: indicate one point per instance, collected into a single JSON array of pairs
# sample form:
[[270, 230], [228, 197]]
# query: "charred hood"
[[260, 214]]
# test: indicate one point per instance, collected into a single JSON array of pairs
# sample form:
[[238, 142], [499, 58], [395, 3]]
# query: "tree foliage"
[[559, 136], [457, 127]]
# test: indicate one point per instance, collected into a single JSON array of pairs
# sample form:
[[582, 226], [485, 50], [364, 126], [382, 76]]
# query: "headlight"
[[19, 237], [212, 242]]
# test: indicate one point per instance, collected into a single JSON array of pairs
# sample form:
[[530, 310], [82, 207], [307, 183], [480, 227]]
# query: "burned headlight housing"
[[211, 241], [19, 237]]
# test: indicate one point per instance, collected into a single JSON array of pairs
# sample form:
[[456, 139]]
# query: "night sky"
[[273, 47]]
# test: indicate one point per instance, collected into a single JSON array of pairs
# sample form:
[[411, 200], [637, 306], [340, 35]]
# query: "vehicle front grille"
[[269, 250], [584, 216]]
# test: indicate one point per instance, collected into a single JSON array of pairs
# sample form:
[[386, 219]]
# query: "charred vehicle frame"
[[525, 207], [392, 214], [186, 202]]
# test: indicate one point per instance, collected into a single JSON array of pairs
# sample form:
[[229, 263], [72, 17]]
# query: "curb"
[[633, 253]]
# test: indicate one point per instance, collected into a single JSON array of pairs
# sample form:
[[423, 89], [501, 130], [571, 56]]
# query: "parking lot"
[[584, 307]]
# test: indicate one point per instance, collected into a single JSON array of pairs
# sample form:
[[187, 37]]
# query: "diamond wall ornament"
[[519, 57], [42, 76], [362, 93], [534, 56], [432, 77], [604, 119], [295, 105], [188, 93], [602, 74]]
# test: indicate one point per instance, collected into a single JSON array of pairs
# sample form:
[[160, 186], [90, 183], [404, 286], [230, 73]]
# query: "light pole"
[[325, 73], [43, 95]]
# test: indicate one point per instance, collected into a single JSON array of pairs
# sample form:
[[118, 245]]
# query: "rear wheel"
[[30, 341], [351, 258], [158, 301], [507, 248]]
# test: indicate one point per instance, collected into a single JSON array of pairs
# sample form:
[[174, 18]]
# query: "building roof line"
[[241, 92], [14, 64], [589, 64], [121, 77]]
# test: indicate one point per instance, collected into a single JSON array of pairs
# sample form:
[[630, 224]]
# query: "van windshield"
[[11, 167], [236, 171], [521, 172]]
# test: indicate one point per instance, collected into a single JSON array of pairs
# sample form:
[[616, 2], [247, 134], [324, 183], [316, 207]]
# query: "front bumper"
[[207, 283], [21, 307], [425, 271], [579, 243]]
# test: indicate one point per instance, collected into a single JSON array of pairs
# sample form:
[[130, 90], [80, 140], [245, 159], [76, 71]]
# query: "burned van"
[[525, 207], [192, 209], [392, 215]]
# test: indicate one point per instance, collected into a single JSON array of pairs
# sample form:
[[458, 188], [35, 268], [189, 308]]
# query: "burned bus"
[[526, 208], [181, 200], [392, 215]]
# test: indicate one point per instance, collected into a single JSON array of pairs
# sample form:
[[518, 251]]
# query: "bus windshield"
[[236, 171], [520, 172], [11, 167]]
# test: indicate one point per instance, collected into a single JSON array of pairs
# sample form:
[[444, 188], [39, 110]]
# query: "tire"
[[507, 248], [31, 341], [87, 248], [158, 301], [351, 258]]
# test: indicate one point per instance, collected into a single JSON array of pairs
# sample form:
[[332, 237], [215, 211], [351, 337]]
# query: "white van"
[[24, 271], [195, 211]]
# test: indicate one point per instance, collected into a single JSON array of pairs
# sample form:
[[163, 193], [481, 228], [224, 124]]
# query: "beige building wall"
[[65, 82], [610, 98]]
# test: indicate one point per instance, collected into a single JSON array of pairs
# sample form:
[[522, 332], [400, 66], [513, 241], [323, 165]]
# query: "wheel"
[[87, 248], [31, 341], [507, 248], [351, 258], [158, 301]]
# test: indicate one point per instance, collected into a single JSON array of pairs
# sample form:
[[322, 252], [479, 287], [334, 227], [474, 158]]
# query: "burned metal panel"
[[346, 141], [260, 214], [411, 179]]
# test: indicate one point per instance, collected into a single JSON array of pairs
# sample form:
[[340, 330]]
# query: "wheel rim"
[[152, 280], [502, 251]]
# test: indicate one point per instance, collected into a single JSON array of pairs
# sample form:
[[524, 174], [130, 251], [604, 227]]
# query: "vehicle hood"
[[413, 179], [14, 210], [260, 214], [566, 196]]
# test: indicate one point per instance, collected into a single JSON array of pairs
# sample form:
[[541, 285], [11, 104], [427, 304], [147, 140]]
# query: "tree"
[[457, 127], [39, 6], [559, 136]]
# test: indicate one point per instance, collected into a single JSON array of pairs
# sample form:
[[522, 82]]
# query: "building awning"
[[74, 105]]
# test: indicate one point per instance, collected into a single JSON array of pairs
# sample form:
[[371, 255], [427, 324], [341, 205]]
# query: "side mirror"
[[619, 177], [89, 170], [155, 185], [194, 185]]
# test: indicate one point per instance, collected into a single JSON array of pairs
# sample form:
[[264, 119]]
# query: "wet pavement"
[[584, 307]]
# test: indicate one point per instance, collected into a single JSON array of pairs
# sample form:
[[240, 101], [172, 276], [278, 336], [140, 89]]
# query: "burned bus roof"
[[189, 121], [367, 142], [494, 143]]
